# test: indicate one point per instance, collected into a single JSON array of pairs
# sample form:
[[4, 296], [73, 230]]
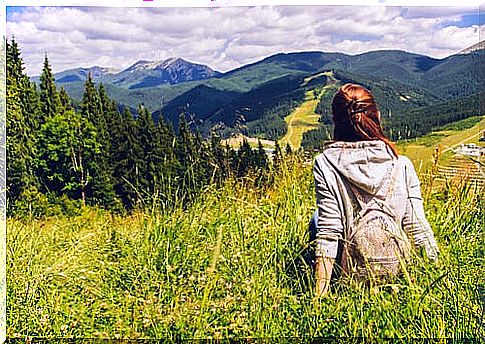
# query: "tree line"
[[62, 155]]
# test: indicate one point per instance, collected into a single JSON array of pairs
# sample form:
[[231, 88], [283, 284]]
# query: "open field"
[[422, 149], [230, 266], [301, 120]]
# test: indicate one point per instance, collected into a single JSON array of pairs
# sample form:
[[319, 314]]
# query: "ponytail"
[[356, 116]]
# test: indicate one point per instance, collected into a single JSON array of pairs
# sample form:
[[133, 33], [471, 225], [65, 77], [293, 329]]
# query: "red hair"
[[356, 116]]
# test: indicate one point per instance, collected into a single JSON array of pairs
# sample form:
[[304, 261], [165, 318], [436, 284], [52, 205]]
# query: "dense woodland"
[[61, 156]]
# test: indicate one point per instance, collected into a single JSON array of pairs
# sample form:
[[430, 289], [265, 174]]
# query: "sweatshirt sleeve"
[[329, 223], [414, 220]]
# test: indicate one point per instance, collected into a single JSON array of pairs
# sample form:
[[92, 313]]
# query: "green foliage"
[[403, 109], [412, 123], [20, 129], [64, 154], [127, 154], [68, 141], [460, 125], [97, 110]]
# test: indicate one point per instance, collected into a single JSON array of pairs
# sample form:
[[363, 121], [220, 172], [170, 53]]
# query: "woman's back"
[[367, 167], [362, 167]]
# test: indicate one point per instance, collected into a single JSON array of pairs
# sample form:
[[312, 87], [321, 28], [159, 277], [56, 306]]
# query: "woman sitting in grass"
[[369, 201]]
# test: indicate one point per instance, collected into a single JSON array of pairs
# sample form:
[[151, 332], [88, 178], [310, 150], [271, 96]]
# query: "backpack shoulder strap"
[[392, 183]]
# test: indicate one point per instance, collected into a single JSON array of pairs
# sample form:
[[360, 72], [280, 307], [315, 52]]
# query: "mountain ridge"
[[257, 96]]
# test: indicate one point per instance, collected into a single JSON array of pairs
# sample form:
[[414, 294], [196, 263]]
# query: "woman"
[[361, 165]]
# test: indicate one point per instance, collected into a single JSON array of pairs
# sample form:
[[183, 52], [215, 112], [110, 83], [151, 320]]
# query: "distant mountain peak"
[[171, 62], [171, 71], [97, 71], [141, 64]]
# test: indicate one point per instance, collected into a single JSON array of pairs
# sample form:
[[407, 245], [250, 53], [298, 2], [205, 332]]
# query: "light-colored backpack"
[[375, 245]]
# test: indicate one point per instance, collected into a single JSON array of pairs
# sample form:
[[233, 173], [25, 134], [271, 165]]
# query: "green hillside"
[[407, 111], [253, 99]]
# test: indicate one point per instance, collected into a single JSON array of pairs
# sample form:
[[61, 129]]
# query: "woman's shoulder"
[[404, 161], [320, 160], [322, 165]]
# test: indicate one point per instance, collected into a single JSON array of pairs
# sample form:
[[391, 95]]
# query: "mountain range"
[[257, 96]]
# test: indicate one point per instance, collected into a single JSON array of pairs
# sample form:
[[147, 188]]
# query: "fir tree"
[[169, 165], [219, 162], [150, 142], [277, 157], [49, 97], [65, 100], [22, 184], [101, 189], [128, 159]]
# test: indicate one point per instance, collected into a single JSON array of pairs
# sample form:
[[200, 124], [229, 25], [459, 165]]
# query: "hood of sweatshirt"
[[366, 164]]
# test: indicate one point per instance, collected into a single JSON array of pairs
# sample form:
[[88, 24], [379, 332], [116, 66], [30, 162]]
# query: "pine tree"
[[169, 165], [219, 160], [22, 184], [49, 97], [101, 189], [261, 165], [127, 155], [277, 158], [261, 158], [65, 100], [186, 153], [105, 123], [151, 145], [245, 159]]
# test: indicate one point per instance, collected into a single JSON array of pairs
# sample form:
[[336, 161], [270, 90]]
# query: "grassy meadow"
[[231, 266], [422, 149]]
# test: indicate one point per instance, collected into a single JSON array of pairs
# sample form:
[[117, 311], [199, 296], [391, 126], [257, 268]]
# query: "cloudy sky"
[[228, 37]]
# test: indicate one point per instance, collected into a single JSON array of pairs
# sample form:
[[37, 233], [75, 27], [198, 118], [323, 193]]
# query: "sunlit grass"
[[230, 265], [421, 150], [301, 120]]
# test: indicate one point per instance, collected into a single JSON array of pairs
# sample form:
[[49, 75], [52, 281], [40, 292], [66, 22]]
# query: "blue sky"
[[227, 37]]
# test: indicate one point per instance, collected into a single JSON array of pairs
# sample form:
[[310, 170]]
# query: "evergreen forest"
[[62, 154]]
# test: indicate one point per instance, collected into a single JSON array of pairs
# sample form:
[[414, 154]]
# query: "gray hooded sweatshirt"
[[368, 165]]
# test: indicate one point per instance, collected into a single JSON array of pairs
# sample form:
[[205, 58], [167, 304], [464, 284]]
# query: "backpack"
[[375, 246]]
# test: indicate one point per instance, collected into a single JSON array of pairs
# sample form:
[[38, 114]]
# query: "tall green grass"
[[230, 265]]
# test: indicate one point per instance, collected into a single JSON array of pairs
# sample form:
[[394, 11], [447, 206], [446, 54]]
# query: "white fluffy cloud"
[[227, 37]]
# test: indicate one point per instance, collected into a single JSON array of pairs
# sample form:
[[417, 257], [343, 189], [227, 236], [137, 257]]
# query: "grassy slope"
[[301, 120], [421, 150], [225, 268], [304, 118]]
